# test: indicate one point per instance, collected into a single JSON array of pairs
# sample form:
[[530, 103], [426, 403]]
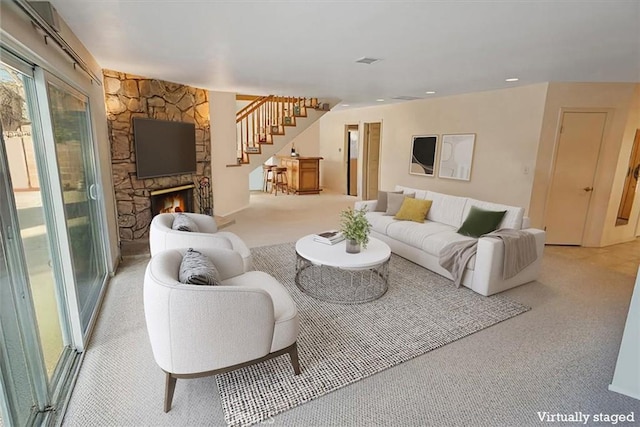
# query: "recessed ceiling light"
[[380, 100], [511, 79], [430, 92], [368, 61], [345, 105]]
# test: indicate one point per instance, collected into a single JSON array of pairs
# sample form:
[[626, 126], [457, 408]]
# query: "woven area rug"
[[341, 344]]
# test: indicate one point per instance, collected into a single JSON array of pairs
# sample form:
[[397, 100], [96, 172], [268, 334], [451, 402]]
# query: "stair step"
[[266, 117]]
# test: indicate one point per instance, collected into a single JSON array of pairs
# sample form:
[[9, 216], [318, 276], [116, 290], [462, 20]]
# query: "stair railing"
[[264, 118]]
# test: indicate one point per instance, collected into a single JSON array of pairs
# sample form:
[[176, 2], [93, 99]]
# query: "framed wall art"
[[456, 156], [423, 155]]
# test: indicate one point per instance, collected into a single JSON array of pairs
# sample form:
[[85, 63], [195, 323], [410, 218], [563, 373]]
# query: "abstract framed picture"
[[423, 155], [456, 156]]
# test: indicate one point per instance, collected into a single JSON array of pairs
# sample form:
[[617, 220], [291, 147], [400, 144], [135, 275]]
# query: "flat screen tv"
[[164, 148]]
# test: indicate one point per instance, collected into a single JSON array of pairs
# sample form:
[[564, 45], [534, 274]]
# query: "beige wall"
[[19, 34], [615, 99], [230, 184], [507, 127], [307, 143], [515, 142]]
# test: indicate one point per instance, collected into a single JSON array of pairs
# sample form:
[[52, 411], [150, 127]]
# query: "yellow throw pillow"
[[414, 209]]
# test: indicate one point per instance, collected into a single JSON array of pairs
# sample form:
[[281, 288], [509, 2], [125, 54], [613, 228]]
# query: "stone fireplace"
[[128, 96], [172, 200]]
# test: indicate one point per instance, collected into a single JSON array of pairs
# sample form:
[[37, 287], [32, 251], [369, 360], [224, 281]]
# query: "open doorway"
[[351, 142]]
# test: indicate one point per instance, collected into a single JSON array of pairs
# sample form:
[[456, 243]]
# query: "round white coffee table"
[[329, 273]]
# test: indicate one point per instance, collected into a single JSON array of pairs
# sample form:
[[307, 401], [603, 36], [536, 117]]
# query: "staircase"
[[260, 123]]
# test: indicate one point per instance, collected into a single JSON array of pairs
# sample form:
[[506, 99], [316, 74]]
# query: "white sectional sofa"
[[422, 243]]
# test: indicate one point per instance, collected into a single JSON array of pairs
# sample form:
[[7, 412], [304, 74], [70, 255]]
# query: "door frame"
[[364, 184], [348, 128], [589, 237]]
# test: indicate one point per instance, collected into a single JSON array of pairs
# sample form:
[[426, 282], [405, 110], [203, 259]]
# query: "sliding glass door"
[[52, 251], [18, 100], [76, 165], [17, 395]]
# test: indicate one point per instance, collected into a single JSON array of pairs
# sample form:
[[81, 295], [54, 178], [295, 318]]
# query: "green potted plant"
[[355, 228]]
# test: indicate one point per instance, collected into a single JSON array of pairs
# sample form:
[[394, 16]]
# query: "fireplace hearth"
[[172, 200]]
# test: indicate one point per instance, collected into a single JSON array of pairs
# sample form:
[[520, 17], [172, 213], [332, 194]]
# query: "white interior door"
[[573, 176]]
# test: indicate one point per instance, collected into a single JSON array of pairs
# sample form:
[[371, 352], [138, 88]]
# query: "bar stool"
[[279, 180], [267, 177]]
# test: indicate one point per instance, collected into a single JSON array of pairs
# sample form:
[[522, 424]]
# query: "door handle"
[[93, 192], [587, 189]]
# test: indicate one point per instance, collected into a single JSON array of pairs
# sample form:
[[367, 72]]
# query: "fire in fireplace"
[[175, 199]]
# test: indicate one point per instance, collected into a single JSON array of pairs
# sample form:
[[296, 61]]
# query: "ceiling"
[[305, 48]]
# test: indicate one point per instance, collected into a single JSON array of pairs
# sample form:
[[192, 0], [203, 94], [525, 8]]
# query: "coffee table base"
[[339, 285]]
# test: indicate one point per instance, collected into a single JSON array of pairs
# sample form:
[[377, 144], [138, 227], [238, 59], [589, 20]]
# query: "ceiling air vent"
[[406, 98], [367, 61]]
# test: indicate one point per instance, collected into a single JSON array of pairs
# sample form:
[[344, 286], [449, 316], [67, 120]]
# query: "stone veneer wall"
[[129, 96]]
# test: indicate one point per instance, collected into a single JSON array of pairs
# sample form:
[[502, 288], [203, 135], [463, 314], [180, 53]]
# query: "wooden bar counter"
[[303, 173]]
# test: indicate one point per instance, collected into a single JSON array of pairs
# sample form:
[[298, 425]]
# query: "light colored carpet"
[[341, 344], [558, 357]]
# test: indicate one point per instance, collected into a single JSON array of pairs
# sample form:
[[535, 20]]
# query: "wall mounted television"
[[164, 148]]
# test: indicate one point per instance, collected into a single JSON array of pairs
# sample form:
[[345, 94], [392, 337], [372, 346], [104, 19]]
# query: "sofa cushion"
[[394, 202], [198, 269], [437, 241], [414, 234], [182, 222], [446, 209], [480, 222], [381, 206], [379, 221], [420, 194], [413, 210], [512, 219]]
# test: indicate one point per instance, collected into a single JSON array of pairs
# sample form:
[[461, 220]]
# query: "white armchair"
[[197, 330], [162, 236]]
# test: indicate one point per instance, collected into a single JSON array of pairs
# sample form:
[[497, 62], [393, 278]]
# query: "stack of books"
[[329, 237]]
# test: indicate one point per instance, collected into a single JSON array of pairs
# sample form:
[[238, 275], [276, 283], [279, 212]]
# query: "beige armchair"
[[197, 330], [162, 236]]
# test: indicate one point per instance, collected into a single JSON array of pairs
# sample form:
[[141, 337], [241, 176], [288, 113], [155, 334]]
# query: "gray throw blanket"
[[519, 252]]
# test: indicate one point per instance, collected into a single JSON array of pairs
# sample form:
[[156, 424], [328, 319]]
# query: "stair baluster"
[[264, 118]]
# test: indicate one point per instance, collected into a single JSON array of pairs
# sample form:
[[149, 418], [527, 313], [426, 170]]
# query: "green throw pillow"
[[480, 222]]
